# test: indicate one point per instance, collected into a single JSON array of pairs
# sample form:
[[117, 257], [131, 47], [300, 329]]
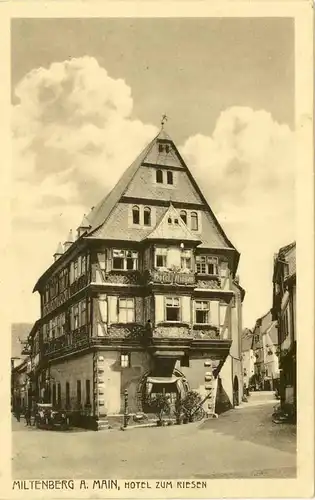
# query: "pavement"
[[242, 443]]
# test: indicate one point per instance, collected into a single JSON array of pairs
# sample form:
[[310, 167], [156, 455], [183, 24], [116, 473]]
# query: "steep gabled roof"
[[172, 227]]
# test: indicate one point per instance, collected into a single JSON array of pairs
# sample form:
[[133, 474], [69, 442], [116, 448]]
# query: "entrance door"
[[169, 390]]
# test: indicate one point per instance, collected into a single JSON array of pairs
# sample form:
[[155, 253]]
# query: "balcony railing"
[[170, 277]]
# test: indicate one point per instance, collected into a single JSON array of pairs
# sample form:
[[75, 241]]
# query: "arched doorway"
[[236, 396]]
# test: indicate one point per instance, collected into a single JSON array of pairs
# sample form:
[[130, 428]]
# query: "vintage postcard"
[[158, 271]]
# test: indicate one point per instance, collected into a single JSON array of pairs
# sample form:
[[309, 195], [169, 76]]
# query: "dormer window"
[[194, 221], [169, 177], [135, 215], [147, 216], [159, 176], [183, 216]]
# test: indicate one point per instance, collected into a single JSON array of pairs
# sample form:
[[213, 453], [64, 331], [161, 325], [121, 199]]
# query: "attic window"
[[159, 176], [176, 221], [167, 148], [161, 148], [135, 215], [169, 220], [169, 177]]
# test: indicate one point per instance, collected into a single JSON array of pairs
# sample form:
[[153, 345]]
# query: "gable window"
[[126, 312], [183, 216], [176, 222], [159, 176], [161, 257], [206, 264], [167, 148], [172, 309], [185, 259], [169, 220], [202, 312], [194, 221], [125, 260], [147, 216], [135, 215], [161, 148], [125, 360], [169, 177]]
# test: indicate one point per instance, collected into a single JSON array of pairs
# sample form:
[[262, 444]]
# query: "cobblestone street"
[[242, 443]]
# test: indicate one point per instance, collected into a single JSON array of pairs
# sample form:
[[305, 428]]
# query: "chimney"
[[58, 253], [69, 241], [83, 227]]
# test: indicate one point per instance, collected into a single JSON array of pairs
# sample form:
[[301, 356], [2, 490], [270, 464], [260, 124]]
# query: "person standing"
[[28, 416]]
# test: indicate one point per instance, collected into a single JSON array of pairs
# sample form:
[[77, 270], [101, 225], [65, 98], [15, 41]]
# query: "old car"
[[46, 417]]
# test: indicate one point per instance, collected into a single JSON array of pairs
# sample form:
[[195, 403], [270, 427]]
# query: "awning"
[[162, 380], [169, 354]]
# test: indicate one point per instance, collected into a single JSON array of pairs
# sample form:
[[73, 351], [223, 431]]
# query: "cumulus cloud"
[[246, 170], [73, 136]]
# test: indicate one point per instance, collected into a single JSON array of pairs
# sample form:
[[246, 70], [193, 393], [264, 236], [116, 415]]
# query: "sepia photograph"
[[154, 252]]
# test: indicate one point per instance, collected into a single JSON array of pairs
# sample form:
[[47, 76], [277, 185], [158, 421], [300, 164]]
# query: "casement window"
[[147, 216], [135, 215], [63, 323], [206, 264], [58, 329], [172, 309], [125, 360], [83, 312], [125, 260], [88, 392], [185, 259], [79, 394], [161, 257], [83, 264], [183, 216], [202, 312], [76, 317], [67, 395], [161, 148], [75, 270], [169, 176], [59, 395], [159, 176], [53, 327], [126, 310], [54, 395], [194, 221]]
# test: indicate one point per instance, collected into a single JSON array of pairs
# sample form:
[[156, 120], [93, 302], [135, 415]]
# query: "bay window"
[[206, 264], [125, 260], [172, 309], [202, 315], [126, 310]]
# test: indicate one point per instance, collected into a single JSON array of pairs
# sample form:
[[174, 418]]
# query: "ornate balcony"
[[169, 277], [123, 277]]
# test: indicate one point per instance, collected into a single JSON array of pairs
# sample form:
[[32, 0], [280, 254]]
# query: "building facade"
[[265, 348], [144, 298], [248, 357], [284, 312]]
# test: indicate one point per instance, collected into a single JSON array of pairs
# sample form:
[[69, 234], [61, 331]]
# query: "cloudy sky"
[[87, 96]]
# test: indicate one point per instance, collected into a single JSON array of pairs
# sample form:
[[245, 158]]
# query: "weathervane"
[[164, 119]]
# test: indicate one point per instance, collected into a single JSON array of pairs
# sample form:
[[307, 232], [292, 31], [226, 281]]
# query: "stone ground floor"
[[242, 443]]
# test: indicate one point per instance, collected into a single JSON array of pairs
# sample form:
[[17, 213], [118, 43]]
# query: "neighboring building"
[[20, 385], [248, 357], [144, 299], [265, 348], [284, 312]]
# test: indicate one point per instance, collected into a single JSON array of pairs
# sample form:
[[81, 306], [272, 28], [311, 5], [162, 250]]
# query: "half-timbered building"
[[144, 297]]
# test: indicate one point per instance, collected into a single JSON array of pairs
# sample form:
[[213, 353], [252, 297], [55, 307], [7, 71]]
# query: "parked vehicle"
[[46, 417]]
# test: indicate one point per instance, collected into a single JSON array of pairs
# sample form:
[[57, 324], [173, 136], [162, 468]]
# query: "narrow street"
[[242, 443]]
